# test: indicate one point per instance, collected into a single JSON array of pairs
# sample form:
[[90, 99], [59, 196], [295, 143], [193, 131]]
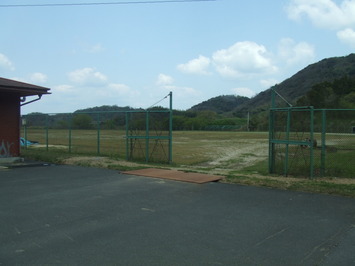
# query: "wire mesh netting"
[[312, 142], [149, 136], [144, 135], [339, 143], [291, 145]]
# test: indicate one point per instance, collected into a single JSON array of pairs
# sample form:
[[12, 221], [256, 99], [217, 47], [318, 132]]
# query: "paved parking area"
[[87, 216]]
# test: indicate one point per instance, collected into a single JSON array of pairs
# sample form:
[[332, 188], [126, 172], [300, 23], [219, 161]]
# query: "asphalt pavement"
[[69, 215]]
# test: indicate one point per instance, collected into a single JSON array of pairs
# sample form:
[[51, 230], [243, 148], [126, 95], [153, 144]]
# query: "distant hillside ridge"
[[105, 108], [220, 104], [293, 88]]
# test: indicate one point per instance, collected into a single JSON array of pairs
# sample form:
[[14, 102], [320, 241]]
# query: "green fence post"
[[171, 130], [311, 150], [288, 125], [98, 133], [70, 129], [147, 136], [271, 144], [271, 134], [47, 132], [127, 140], [324, 128]]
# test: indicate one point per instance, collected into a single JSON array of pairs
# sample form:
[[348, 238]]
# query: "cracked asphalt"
[[69, 215]]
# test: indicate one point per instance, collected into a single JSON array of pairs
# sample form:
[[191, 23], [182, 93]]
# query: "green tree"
[[348, 101], [82, 121], [62, 124], [109, 124]]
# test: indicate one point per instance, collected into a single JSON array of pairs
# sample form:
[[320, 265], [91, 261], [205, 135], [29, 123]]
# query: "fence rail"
[[312, 142], [134, 135]]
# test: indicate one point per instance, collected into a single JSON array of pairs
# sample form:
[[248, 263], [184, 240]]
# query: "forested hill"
[[293, 88], [220, 104], [339, 94], [106, 108]]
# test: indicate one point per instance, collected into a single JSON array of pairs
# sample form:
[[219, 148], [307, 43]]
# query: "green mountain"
[[220, 104], [339, 94], [295, 87], [329, 83], [293, 90]]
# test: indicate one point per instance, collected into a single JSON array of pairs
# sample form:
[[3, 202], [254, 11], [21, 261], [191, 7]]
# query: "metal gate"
[[144, 135], [149, 135], [309, 142], [291, 141]]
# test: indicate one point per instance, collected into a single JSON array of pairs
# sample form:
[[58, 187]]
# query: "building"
[[12, 96]]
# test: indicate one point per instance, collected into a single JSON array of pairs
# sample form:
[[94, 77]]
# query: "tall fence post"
[[271, 134], [70, 129], [98, 133], [47, 132], [323, 151], [288, 125], [127, 139], [171, 128], [147, 136], [271, 144], [311, 150]]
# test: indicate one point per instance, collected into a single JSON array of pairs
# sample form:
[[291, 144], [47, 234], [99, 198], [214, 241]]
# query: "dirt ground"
[[246, 154], [217, 153], [221, 166]]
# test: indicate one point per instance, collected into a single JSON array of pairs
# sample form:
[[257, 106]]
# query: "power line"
[[104, 3]]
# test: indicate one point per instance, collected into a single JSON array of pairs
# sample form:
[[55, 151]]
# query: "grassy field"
[[214, 149], [241, 157]]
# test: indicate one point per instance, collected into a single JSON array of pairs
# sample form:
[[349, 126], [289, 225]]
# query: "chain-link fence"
[[312, 142], [149, 136], [133, 135]]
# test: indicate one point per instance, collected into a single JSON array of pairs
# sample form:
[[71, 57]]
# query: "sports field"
[[205, 149], [218, 152], [241, 157], [222, 151]]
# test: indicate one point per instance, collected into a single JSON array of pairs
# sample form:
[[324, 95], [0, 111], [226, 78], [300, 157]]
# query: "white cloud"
[[97, 48], [88, 77], [5, 63], [267, 83], [324, 13], [63, 88], [347, 36], [243, 59], [196, 66], [38, 78], [181, 94], [164, 80], [112, 93], [243, 92], [294, 53], [120, 88], [329, 15], [125, 92]]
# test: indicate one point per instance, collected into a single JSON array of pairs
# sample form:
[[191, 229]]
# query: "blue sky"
[[135, 54]]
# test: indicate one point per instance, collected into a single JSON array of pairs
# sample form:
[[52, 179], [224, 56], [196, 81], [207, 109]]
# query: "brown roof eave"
[[21, 88], [24, 91]]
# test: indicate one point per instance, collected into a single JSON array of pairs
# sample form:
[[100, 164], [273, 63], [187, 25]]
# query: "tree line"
[[182, 120]]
